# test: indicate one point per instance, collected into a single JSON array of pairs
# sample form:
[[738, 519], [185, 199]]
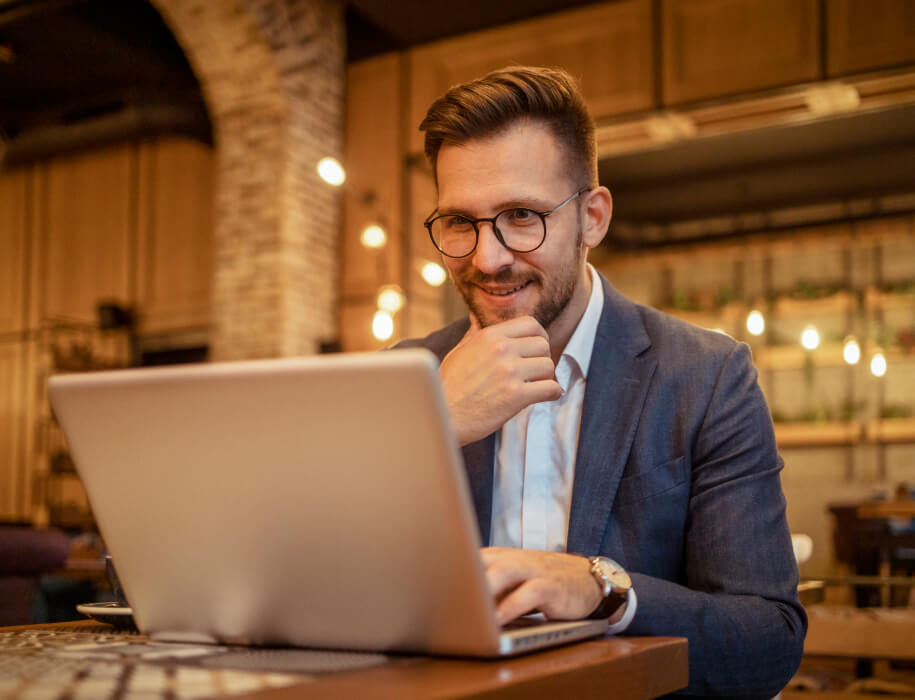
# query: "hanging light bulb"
[[851, 351], [434, 274], [331, 171], [382, 325], [373, 236], [810, 338], [390, 298], [878, 363], [756, 322]]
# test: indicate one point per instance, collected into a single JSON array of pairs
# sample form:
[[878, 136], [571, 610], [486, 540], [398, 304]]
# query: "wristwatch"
[[614, 582]]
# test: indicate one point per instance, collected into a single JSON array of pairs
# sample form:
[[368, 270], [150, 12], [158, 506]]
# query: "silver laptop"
[[313, 502]]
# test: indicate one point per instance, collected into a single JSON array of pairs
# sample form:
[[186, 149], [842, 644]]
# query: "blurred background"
[[186, 181]]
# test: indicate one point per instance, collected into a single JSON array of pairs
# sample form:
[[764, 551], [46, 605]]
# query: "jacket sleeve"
[[737, 604]]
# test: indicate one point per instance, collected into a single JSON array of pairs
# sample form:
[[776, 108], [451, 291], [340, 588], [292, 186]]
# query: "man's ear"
[[598, 211]]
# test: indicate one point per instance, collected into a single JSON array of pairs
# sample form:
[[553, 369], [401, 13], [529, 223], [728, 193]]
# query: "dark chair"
[[25, 554]]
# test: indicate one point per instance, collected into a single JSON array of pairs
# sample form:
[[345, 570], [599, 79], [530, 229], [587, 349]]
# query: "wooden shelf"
[[840, 302], [891, 430], [801, 433]]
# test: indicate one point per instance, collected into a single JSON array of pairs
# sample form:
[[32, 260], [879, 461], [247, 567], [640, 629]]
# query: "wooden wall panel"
[[374, 159], [13, 218], [713, 48], [608, 47], [85, 208], [175, 235], [12, 431], [865, 35]]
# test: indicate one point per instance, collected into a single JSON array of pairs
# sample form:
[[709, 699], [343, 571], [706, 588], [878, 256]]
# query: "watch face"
[[614, 573]]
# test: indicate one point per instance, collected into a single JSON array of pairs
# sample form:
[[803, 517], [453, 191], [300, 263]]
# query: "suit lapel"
[[618, 380], [479, 460]]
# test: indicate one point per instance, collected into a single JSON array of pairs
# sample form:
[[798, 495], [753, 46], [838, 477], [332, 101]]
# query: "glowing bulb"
[[434, 274], [878, 364], [331, 171], [851, 351], [373, 236], [810, 338], [390, 298], [756, 322], [382, 325]]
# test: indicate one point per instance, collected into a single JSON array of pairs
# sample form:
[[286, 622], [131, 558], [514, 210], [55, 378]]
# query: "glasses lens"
[[522, 229], [455, 236]]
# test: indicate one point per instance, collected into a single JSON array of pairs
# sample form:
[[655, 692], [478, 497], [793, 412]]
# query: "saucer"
[[110, 613]]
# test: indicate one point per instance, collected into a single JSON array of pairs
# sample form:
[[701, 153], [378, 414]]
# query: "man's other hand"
[[523, 581], [494, 372]]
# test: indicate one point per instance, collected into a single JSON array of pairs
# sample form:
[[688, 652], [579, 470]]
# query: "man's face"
[[520, 167]]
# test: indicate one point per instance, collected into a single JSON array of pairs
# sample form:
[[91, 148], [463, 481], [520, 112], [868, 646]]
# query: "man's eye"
[[521, 217], [456, 223]]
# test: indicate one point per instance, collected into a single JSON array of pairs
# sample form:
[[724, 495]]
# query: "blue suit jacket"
[[677, 478]]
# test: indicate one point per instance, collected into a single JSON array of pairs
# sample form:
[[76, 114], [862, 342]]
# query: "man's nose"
[[490, 255]]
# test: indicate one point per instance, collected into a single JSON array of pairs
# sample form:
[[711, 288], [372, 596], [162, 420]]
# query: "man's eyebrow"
[[530, 203]]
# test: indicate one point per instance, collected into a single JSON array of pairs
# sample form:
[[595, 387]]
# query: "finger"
[[541, 390], [506, 572], [531, 596], [532, 369], [531, 346], [522, 326]]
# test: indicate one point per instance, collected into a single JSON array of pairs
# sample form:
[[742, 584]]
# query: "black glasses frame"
[[495, 229]]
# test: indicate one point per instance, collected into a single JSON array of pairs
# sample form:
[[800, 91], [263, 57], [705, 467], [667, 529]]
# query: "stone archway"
[[272, 74]]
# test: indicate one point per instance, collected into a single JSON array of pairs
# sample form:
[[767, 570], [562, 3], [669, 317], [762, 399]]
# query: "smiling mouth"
[[505, 292]]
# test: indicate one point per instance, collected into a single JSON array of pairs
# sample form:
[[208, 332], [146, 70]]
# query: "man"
[[591, 425]]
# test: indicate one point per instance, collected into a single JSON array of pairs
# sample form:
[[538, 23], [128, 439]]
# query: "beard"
[[555, 291]]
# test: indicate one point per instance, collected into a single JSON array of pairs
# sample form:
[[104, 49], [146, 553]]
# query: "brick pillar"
[[272, 75]]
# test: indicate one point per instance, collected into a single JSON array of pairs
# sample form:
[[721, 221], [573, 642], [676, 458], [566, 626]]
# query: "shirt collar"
[[580, 346]]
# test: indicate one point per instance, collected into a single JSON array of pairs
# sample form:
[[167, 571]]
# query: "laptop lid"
[[316, 502]]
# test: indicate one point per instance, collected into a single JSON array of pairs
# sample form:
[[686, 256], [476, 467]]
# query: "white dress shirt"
[[535, 450], [535, 456]]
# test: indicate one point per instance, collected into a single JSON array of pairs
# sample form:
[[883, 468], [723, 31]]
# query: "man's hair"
[[493, 103]]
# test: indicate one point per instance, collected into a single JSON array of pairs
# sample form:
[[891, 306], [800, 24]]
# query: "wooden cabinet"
[[174, 271], [866, 35], [13, 238], [82, 243], [713, 48], [608, 47]]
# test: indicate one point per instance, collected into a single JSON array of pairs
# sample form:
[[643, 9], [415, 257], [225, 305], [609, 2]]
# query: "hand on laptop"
[[494, 372], [558, 585]]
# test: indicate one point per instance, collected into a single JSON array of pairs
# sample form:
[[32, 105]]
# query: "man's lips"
[[502, 290]]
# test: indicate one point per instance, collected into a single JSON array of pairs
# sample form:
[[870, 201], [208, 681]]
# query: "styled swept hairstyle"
[[493, 103]]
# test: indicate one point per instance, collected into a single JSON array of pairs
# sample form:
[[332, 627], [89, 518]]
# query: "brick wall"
[[272, 75]]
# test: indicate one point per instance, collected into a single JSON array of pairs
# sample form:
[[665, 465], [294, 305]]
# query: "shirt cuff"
[[632, 602]]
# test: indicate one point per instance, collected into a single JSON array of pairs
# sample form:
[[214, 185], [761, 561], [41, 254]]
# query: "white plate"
[[109, 613]]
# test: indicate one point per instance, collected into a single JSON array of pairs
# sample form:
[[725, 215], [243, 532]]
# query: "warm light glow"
[[810, 338], [851, 351], [373, 236], [331, 171], [756, 322], [878, 364], [434, 274], [390, 298], [382, 325]]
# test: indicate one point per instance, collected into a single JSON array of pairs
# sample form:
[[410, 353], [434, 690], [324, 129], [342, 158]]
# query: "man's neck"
[[562, 329]]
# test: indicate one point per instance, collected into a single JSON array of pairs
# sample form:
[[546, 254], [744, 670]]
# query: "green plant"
[[896, 410]]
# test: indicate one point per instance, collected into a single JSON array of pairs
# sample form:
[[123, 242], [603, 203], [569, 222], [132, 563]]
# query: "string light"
[[331, 171], [373, 236], [434, 274], [756, 322], [390, 298], [878, 363], [382, 325], [810, 338], [851, 351]]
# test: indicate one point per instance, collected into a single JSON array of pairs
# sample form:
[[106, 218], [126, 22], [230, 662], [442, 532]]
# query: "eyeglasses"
[[519, 229]]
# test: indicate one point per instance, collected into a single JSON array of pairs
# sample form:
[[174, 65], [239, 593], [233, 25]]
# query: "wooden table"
[[635, 668]]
